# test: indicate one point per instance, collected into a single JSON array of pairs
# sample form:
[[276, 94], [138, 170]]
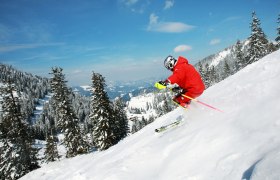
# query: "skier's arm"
[[175, 77], [173, 87]]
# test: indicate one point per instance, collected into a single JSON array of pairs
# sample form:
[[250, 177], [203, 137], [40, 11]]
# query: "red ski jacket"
[[186, 76]]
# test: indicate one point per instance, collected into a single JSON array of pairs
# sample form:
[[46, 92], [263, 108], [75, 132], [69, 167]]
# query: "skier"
[[184, 80]]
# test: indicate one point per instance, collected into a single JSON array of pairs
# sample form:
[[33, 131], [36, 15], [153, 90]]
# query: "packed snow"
[[241, 143], [141, 101]]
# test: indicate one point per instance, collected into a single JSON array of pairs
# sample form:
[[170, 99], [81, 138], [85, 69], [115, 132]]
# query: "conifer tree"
[[121, 121], [138, 125], [51, 152], [201, 71], [271, 47], [68, 122], [258, 44], [101, 114], [17, 154], [227, 71], [213, 76], [278, 33], [207, 80], [239, 56], [143, 122], [151, 119], [133, 128], [165, 107]]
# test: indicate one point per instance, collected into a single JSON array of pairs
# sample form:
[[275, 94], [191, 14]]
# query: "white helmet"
[[170, 62]]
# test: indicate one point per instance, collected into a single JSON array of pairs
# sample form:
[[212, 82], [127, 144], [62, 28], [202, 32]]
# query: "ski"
[[168, 126]]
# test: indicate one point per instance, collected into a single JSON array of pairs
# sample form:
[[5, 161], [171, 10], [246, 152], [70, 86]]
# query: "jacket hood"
[[181, 60]]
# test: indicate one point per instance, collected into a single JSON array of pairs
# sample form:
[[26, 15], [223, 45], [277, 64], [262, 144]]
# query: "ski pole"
[[201, 102]]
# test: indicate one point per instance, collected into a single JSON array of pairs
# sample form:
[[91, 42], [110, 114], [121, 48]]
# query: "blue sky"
[[122, 39]]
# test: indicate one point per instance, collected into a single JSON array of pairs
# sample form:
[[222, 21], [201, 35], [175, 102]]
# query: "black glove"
[[162, 83], [178, 90]]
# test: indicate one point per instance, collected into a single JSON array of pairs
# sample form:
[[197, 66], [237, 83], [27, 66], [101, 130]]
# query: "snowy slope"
[[242, 143]]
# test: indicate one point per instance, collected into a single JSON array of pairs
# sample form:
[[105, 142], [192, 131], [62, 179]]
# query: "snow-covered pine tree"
[[227, 71], [207, 80], [148, 106], [138, 125], [101, 114], [166, 106], [133, 128], [143, 122], [151, 119], [213, 76], [239, 56], [121, 122], [278, 33], [271, 47], [32, 88], [68, 122], [51, 152], [18, 156], [258, 44], [201, 71], [159, 110], [8, 162], [208, 75]]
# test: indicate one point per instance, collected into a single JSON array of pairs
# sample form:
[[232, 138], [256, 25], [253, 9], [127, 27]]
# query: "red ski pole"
[[201, 103]]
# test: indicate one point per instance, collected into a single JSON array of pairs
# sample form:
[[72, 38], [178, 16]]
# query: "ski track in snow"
[[242, 143]]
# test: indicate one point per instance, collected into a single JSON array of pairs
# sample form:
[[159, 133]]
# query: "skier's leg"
[[184, 101]]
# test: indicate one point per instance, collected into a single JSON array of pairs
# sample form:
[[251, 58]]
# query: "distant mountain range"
[[126, 90]]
